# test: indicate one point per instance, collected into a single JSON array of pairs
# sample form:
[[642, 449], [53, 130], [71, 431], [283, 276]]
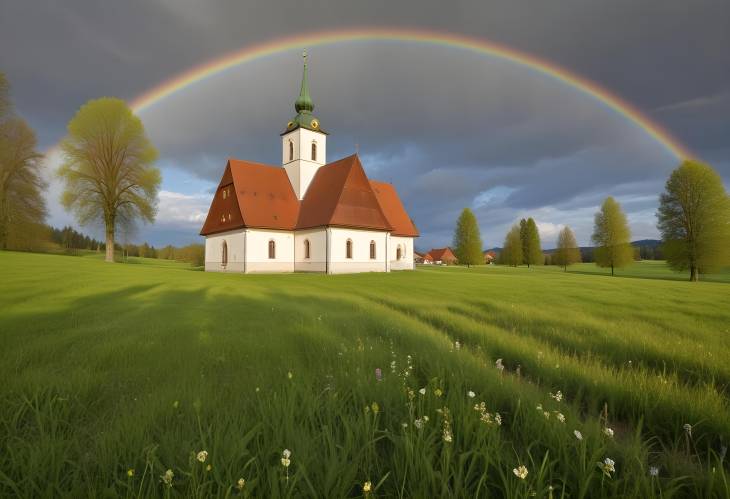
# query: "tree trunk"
[[109, 246], [694, 276], [611, 269]]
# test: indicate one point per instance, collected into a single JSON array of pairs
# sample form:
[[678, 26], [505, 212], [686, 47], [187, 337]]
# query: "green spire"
[[304, 107], [304, 103]]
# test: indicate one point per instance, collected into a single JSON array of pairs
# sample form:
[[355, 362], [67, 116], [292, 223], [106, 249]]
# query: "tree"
[[467, 240], [611, 236], [567, 252], [22, 207], [694, 220], [108, 169], [512, 250], [530, 237]]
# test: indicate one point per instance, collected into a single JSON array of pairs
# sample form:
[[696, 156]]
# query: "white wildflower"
[[578, 434], [520, 472], [167, 478], [653, 471], [471, 394], [202, 456], [607, 466], [608, 432], [422, 391], [688, 428], [561, 417]]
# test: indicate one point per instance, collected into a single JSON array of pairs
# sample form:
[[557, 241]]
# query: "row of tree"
[[693, 219]]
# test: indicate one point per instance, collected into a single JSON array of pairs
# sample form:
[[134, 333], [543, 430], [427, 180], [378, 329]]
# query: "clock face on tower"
[[315, 124]]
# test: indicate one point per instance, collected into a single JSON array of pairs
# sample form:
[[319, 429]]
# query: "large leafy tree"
[[694, 220], [512, 248], [567, 252], [467, 240], [108, 168], [611, 235], [530, 237], [22, 207]]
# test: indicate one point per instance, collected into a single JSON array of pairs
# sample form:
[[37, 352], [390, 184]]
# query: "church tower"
[[303, 143]]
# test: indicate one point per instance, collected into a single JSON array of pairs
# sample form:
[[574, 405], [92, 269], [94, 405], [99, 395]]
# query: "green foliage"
[[467, 240], [22, 207], [108, 169], [694, 220], [512, 248], [530, 237], [160, 363], [611, 235], [567, 252]]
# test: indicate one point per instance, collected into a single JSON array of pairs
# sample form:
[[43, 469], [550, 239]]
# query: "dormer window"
[[314, 151]]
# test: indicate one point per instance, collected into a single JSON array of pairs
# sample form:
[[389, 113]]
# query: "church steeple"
[[304, 107], [304, 101]]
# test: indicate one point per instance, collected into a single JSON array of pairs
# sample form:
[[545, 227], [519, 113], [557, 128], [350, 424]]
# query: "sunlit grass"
[[114, 374]]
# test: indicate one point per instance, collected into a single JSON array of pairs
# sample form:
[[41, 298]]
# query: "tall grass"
[[114, 374]]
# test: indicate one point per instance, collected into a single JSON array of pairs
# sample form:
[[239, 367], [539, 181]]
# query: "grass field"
[[113, 374]]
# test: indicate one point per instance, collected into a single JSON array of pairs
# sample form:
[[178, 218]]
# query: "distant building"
[[307, 216], [442, 256], [423, 258], [490, 257]]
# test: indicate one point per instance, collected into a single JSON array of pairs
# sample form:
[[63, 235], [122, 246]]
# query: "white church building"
[[306, 215]]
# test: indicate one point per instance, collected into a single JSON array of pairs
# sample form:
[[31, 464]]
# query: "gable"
[[340, 195], [224, 213]]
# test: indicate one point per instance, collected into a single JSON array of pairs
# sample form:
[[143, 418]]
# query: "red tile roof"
[[263, 195], [340, 194], [394, 210], [443, 254]]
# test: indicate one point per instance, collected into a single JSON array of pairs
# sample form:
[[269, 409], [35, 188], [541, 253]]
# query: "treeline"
[[70, 241], [693, 218]]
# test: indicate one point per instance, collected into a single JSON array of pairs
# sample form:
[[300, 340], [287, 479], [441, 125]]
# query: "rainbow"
[[480, 46]]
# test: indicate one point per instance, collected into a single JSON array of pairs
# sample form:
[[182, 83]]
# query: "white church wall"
[[317, 261], [360, 261], [214, 251], [406, 260], [257, 251]]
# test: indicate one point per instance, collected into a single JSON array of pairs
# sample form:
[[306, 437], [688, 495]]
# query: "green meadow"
[[441, 382]]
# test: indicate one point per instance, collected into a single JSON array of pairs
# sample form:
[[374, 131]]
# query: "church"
[[306, 215]]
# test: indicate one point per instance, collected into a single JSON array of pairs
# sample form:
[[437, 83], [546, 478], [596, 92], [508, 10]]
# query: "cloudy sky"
[[448, 127]]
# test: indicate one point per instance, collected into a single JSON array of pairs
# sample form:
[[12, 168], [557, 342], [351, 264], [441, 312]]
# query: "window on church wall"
[[224, 254], [272, 249], [291, 150], [398, 253], [372, 250], [348, 249], [306, 248], [314, 151]]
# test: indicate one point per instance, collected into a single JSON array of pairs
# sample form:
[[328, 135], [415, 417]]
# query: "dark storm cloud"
[[448, 128]]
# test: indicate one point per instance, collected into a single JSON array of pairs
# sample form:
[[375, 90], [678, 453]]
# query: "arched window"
[[306, 248], [272, 249], [348, 249], [291, 150], [314, 151], [398, 253], [224, 254], [372, 250]]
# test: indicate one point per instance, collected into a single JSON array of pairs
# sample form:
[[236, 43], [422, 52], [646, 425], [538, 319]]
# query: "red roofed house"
[[307, 216], [443, 255], [489, 257]]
